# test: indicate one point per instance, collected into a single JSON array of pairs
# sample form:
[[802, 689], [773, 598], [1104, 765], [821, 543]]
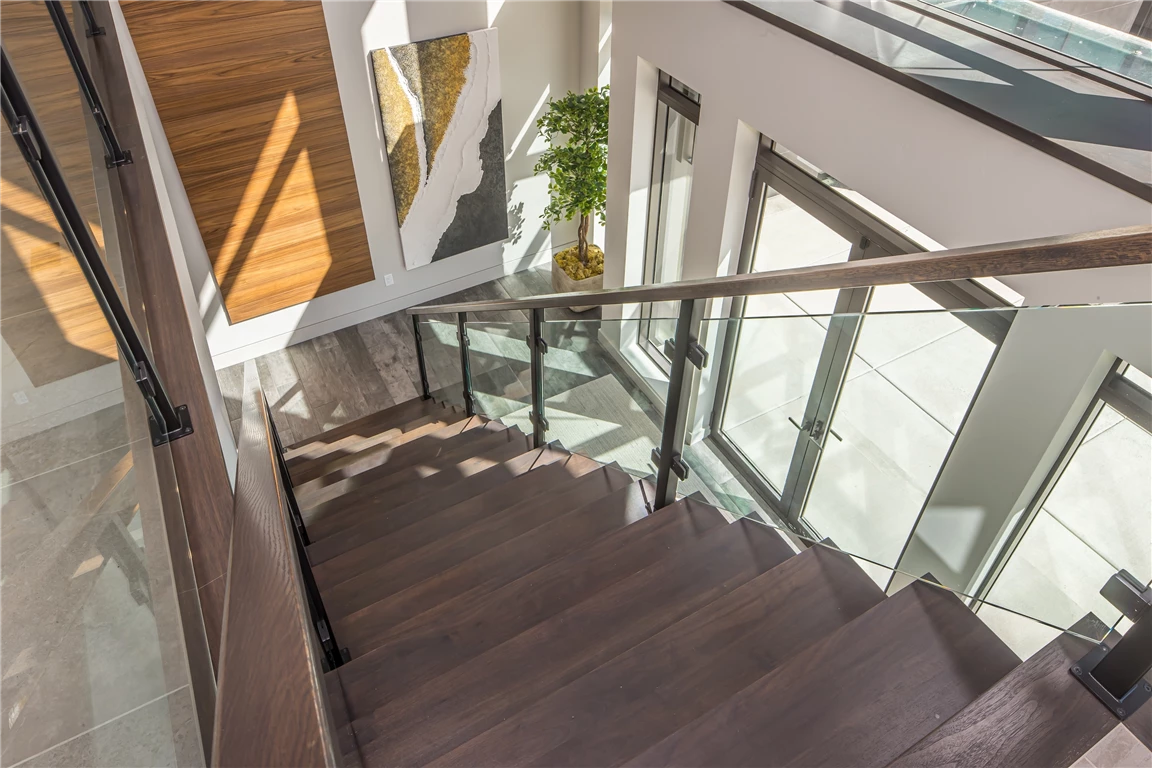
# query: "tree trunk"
[[582, 234]]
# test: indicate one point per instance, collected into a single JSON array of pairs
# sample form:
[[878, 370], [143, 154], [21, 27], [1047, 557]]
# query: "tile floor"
[[91, 633]]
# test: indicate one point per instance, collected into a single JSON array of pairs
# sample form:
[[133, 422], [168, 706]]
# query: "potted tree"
[[576, 161]]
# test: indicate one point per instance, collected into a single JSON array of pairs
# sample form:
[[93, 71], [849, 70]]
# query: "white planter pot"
[[561, 283]]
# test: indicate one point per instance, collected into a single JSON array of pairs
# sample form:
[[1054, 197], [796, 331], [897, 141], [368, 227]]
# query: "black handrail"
[[168, 422], [93, 27], [117, 155], [425, 393], [334, 655], [465, 364]]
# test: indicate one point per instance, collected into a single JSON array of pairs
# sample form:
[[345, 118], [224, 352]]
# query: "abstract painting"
[[440, 103]]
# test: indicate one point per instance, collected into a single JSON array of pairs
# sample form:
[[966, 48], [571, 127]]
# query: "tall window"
[[841, 421], [677, 113]]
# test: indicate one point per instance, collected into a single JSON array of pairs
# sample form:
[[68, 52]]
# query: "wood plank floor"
[[377, 364], [256, 129]]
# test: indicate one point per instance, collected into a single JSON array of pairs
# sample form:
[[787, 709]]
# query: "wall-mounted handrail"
[[1090, 250], [117, 155], [170, 422], [271, 706]]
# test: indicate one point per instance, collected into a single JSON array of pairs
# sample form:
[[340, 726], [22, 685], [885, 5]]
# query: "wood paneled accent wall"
[[247, 95]]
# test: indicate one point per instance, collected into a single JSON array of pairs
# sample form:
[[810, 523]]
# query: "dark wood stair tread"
[[456, 631], [619, 709], [859, 697], [501, 564], [455, 707], [1038, 715], [348, 450], [428, 451], [399, 487], [434, 525], [382, 516], [499, 519], [367, 426], [382, 460]]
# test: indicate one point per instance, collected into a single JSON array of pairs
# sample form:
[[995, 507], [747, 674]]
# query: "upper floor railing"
[[1089, 250]]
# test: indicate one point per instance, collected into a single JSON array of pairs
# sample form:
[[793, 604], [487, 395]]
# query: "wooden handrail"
[[271, 707], [1108, 248]]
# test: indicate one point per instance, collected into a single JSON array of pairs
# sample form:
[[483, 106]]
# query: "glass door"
[[780, 376], [833, 415]]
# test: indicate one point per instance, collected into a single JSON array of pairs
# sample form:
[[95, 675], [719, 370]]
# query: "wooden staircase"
[[505, 605]]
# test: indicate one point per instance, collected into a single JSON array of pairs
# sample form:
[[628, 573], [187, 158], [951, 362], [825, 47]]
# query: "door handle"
[[815, 430], [818, 430]]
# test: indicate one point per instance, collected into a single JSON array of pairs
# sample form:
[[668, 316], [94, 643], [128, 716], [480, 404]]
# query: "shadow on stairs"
[[510, 605]]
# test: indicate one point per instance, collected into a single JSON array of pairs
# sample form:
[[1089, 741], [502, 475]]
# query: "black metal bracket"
[[92, 28], [113, 162], [697, 355], [1115, 674], [679, 468], [1127, 595], [1121, 707], [541, 344], [160, 437]]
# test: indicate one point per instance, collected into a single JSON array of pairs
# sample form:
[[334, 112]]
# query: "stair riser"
[[446, 457], [400, 487], [435, 526], [374, 524], [384, 461], [455, 632], [448, 711], [464, 542], [347, 451], [500, 565]]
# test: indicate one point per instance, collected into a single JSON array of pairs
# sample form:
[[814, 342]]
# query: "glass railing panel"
[[592, 407], [95, 667], [971, 445], [63, 382], [501, 366], [441, 346], [1086, 39], [1024, 633], [96, 646], [51, 86]]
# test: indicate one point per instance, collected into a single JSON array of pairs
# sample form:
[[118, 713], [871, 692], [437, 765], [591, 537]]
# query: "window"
[[841, 422], [677, 113]]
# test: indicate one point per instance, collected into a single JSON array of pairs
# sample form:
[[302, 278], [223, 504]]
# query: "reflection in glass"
[[775, 362], [1117, 49], [909, 384]]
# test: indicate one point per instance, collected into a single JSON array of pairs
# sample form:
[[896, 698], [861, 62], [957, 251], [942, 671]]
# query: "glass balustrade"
[[96, 648], [1003, 453]]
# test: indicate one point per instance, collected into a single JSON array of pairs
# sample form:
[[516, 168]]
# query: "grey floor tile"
[[159, 734]]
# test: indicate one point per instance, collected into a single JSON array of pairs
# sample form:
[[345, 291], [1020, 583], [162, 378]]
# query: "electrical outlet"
[[21, 398], [388, 279]]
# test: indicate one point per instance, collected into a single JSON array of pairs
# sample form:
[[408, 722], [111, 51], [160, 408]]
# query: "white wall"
[[953, 178], [1042, 380]]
